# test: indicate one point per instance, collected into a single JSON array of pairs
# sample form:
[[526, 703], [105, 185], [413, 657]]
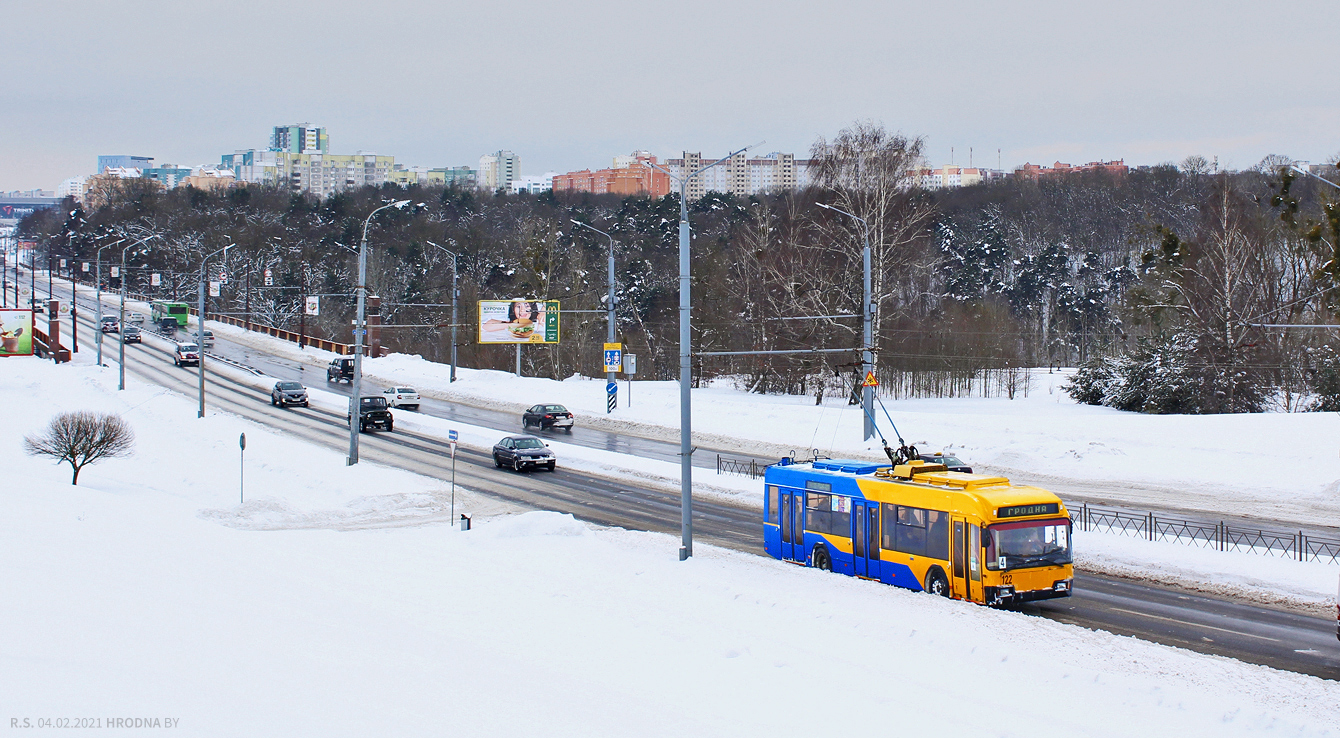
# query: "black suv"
[[131, 334], [372, 413], [341, 369]]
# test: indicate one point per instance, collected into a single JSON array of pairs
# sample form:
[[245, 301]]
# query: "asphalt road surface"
[[1248, 632]]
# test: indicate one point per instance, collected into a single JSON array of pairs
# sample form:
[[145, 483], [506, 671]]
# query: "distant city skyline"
[[1147, 82]]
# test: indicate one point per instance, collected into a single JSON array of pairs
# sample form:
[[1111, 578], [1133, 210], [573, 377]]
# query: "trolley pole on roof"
[[685, 355], [868, 333]]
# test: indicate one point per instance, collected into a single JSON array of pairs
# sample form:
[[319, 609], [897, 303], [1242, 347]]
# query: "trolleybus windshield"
[[1027, 544]]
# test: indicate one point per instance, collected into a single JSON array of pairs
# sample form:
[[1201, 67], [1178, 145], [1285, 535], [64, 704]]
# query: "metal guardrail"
[[747, 467], [1218, 536]]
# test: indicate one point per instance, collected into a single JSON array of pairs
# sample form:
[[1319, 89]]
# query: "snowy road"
[[1259, 635]]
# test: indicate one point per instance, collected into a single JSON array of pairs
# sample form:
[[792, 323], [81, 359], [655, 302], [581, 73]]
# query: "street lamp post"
[[121, 321], [455, 292], [200, 328], [685, 358], [360, 326], [609, 304], [867, 319], [97, 336]]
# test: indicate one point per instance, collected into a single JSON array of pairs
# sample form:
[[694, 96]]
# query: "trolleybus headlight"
[[1062, 586]]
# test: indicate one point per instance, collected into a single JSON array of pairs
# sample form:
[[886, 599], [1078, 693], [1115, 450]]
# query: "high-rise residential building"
[[300, 139], [320, 174], [497, 170], [123, 161], [776, 172], [630, 175]]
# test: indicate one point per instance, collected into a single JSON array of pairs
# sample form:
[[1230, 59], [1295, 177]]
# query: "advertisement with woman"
[[16, 332], [518, 321]]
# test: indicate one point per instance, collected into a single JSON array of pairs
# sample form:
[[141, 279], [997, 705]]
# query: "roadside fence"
[[1218, 536]]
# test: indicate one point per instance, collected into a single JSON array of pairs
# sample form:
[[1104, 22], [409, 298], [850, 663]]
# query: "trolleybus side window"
[[774, 498], [828, 514], [910, 536], [915, 531], [937, 534]]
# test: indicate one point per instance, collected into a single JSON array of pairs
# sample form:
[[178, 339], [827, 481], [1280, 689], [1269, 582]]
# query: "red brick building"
[[1037, 171], [633, 179]]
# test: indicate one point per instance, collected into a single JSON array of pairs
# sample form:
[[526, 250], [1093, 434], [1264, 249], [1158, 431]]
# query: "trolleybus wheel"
[[821, 559], [936, 583]]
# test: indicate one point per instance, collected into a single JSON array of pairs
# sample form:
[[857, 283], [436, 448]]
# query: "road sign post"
[[629, 369], [453, 436], [242, 468], [613, 363]]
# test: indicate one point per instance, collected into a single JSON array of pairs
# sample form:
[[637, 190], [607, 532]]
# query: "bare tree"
[[82, 438]]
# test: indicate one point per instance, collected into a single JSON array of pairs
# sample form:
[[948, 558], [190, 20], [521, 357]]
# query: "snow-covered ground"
[[142, 594]]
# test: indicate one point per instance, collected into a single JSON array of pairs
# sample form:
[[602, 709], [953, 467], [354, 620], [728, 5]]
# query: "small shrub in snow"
[[82, 438]]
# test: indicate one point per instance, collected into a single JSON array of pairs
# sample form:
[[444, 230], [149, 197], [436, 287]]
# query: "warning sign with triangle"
[[870, 380]]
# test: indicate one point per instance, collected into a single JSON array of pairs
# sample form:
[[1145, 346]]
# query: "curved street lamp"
[[360, 327], [121, 325], [200, 326], [609, 305]]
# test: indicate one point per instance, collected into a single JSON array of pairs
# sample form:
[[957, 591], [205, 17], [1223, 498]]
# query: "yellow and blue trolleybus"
[[917, 525]]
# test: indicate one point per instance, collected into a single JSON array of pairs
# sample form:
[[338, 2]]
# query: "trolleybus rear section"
[[968, 536]]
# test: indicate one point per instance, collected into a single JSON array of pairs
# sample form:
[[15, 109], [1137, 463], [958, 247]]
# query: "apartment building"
[[498, 170], [300, 139], [743, 175], [320, 174]]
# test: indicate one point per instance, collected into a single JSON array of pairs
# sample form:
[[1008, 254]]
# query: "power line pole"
[[685, 356]]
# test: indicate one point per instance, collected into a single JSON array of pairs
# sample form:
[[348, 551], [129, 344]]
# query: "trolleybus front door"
[[788, 551], [958, 579], [973, 554]]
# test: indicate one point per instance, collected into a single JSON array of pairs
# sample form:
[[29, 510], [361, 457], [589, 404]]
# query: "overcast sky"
[[571, 85]]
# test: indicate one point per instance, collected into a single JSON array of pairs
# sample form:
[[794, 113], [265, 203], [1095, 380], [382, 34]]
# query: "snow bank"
[[127, 597]]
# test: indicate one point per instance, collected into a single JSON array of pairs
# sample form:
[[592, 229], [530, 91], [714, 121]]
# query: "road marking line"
[[1197, 625]]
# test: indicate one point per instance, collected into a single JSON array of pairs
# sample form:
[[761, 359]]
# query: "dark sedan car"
[[546, 417], [954, 463], [523, 452], [131, 334], [288, 393]]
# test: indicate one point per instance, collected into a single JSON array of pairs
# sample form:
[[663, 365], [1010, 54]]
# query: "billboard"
[[518, 321], [16, 332]]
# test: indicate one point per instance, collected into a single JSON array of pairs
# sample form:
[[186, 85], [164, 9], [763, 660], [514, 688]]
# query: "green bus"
[[159, 310]]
